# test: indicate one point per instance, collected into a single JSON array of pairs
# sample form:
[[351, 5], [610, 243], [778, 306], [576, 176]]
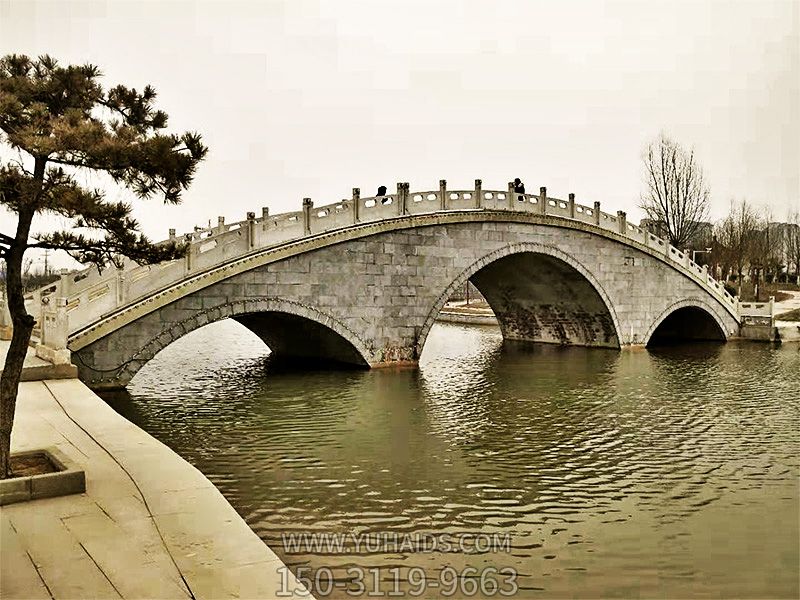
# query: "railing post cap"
[[307, 202], [251, 216], [442, 182], [543, 190], [478, 182], [571, 196]]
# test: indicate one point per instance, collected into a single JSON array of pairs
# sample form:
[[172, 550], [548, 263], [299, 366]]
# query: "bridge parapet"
[[91, 295]]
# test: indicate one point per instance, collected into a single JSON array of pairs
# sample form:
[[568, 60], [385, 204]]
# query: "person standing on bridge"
[[382, 193], [519, 187]]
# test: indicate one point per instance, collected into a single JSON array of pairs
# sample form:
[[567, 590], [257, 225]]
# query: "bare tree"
[[792, 244], [676, 199], [736, 236], [766, 251]]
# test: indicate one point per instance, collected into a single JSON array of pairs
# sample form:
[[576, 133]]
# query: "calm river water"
[[670, 473]]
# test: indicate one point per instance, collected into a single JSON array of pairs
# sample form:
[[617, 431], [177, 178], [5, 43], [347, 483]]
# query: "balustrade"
[[91, 294]]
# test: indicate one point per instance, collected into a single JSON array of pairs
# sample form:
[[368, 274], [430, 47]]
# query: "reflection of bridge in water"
[[361, 281]]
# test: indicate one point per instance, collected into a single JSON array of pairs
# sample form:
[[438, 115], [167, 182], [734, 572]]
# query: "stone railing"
[[90, 294], [758, 313]]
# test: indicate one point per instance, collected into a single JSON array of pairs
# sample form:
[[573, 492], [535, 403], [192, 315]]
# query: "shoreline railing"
[[90, 295]]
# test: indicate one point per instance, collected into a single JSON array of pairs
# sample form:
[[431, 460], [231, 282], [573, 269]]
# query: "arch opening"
[[298, 336], [300, 342], [538, 294], [686, 324]]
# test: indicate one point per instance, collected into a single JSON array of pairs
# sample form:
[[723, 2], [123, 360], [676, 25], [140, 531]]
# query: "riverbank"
[[149, 524], [476, 313], [788, 331]]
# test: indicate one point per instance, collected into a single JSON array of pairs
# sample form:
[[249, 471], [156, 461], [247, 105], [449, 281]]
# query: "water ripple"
[[612, 471]]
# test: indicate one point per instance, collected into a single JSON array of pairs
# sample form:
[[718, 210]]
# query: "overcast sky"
[[305, 98]]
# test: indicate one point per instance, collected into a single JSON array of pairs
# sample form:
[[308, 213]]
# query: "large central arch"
[[539, 293]]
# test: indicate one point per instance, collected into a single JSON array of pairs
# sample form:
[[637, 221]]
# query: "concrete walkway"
[[36, 369], [788, 304], [150, 525]]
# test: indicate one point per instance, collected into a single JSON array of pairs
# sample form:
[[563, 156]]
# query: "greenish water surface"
[[640, 473]]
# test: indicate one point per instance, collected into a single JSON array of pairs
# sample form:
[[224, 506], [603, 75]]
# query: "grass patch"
[[792, 315]]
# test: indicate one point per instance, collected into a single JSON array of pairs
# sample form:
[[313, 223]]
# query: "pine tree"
[[60, 123]]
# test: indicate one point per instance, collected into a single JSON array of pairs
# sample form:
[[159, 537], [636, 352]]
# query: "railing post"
[[571, 206], [188, 256], [478, 193], [543, 200], [623, 222], [121, 295], [356, 203], [265, 212], [511, 195], [401, 199], [443, 194], [307, 206], [220, 224], [54, 326], [251, 230], [172, 235], [5, 319], [597, 213]]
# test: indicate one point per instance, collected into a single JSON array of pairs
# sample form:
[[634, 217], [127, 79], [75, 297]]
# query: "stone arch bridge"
[[361, 281]]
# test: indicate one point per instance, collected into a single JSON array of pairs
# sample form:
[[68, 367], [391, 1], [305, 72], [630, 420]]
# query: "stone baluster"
[[443, 194], [511, 196], [251, 230], [356, 204], [571, 206], [220, 224], [622, 222], [543, 200], [307, 206], [478, 193], [597, 213]]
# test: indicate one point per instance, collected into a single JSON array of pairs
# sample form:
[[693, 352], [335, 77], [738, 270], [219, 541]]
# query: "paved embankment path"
[[150, 525], [788, 330]]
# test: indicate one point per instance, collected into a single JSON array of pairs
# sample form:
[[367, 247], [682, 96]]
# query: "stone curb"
[[69, 479]]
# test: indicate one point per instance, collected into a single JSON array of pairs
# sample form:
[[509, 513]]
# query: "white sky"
[[312, 98]]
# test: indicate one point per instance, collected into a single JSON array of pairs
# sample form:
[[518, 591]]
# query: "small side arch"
[[359, 351], [506, 251], [692, 304]]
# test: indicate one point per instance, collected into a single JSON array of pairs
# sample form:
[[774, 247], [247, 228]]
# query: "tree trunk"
[[23, 326]]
